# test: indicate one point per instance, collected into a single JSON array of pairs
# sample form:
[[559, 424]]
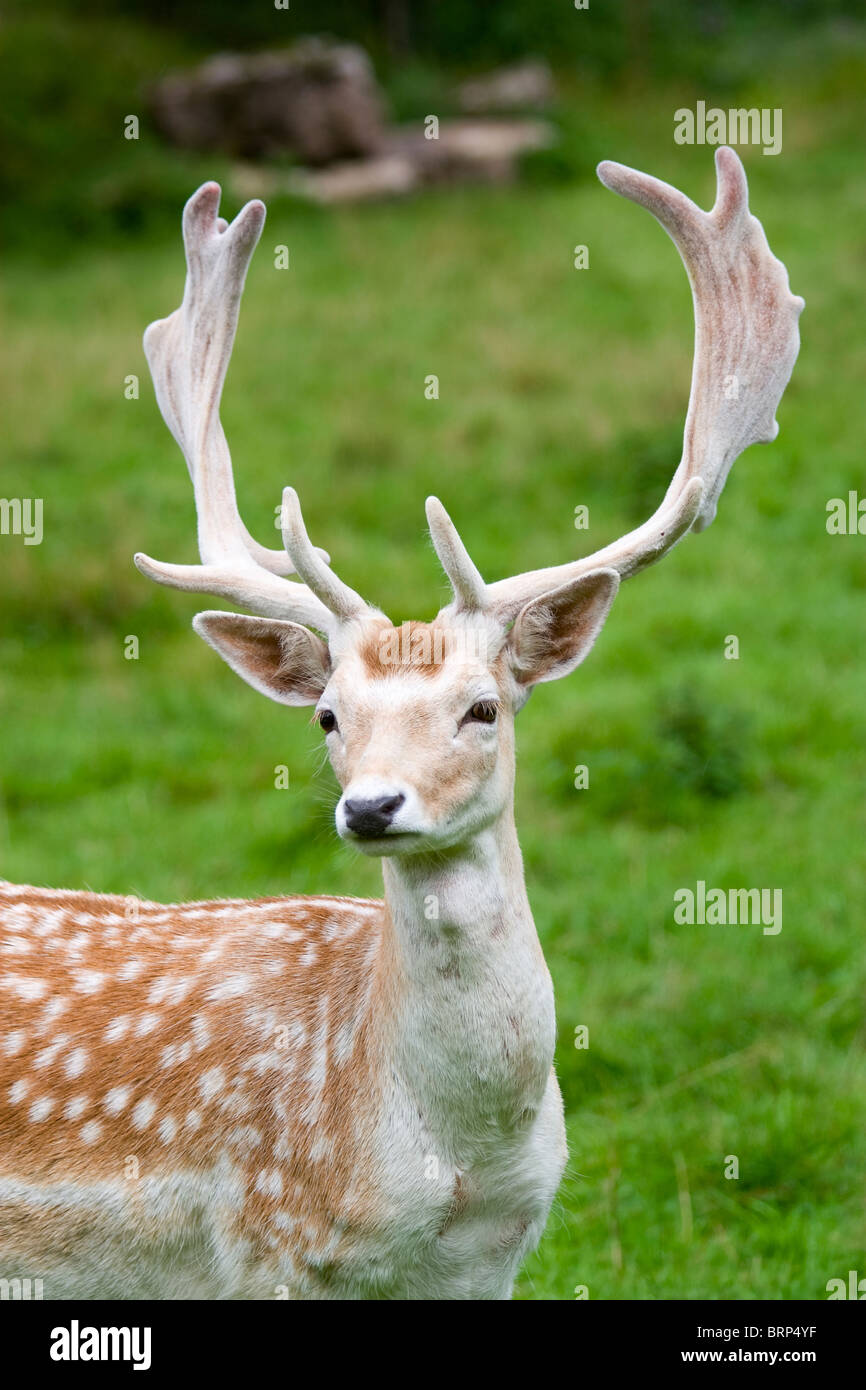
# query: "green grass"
[[558, 387]]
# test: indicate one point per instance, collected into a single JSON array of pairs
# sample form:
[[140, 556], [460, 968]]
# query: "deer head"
[[418, 720]]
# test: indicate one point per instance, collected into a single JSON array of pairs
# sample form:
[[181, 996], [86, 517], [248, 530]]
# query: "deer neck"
[[465, 906], [472, 1001]]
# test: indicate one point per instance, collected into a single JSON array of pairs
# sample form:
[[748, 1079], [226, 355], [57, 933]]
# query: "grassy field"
[[557, 387]]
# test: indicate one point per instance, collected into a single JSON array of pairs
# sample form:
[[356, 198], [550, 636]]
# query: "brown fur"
[[417, 648], [293, 1120]]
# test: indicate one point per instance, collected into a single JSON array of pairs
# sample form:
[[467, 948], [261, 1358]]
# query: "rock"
[[355, 180], [470, 151], [465, 152], [317, 100], [523, 86]]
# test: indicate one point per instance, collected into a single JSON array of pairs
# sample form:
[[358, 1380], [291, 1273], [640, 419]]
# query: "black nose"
[[368, 819]]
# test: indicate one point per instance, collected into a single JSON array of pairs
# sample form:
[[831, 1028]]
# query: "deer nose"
[[369, 819]]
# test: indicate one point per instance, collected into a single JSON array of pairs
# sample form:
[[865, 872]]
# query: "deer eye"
[[327, 719], [482, 712]]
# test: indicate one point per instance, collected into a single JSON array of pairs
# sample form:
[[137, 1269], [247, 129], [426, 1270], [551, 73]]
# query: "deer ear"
[[283, 660], [553, 633]]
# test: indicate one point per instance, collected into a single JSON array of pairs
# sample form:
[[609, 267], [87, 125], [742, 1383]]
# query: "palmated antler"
[[746, 343], [188, 354]]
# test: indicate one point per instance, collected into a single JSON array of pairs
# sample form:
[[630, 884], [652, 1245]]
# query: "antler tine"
[[746, 343], [248, 585], [469, 588], [339, 599], [188, 354], [746, 333]]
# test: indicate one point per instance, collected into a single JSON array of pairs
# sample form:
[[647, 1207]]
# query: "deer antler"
[[746, 343], [188, 354]]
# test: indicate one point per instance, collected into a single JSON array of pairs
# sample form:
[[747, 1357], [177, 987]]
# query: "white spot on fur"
[[76, 1062], [47, 1055], [49, 921], [13, 1042], [318, 1068], [167, 1129], [90, 1132], [245, 1138], [75, 1108], [229, 988], [169, 990], [17, 946], [143, 1113], [270, 1182], [130, 970], [117, 1099], [344, 1042], [211, 1083], [52, 1011], [89, 981], [25, 986], [321, 1147]]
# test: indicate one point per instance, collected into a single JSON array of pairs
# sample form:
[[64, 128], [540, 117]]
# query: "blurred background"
[[558, 387]]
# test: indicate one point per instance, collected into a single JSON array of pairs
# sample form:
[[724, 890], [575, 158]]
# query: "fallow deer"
[[325, 1097]]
